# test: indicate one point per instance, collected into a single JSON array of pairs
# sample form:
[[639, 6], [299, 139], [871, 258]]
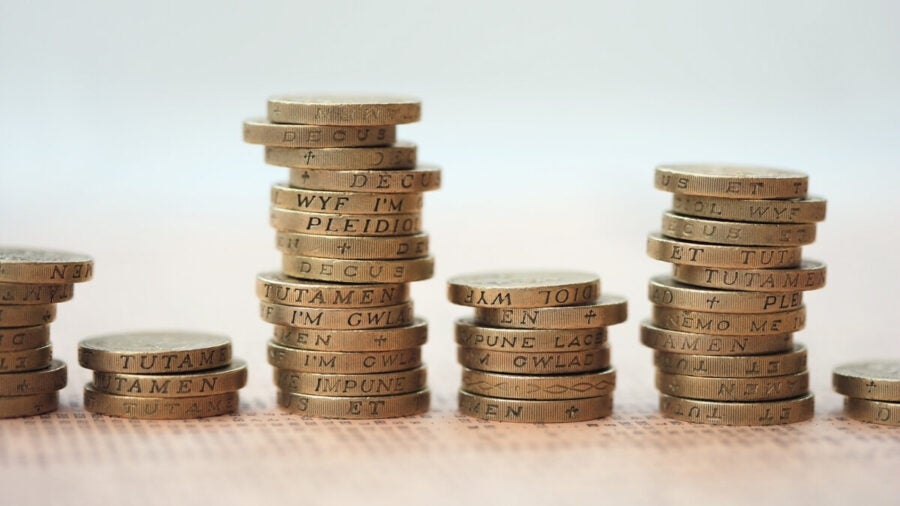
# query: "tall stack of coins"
[[161, 375], [872, 390], [536, 350], [723, 323], [32, 282], [348, 222]]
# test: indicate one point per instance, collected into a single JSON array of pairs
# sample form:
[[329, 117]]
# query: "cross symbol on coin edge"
[[713, 301], [590, 315], [343, 248], [308, 156], [305, 175], [871, 385], [572, 411]]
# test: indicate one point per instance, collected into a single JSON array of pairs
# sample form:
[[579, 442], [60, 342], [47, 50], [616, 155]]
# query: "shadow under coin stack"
[[32, 282], [536, 350], [346, 342], [723, 323], [161, 375], [872, 390]]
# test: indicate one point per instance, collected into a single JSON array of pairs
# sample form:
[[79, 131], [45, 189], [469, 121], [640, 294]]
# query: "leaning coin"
[[260, 131], [358, 271], [30, 293], [357, 225], [359, 408], [471, 335], [26, 360], [276, 288], [730, 324], [568, 362], [353, 248], [155, 352], [41, 381], [24, 338], [338, 319], [865, 410], [756, 366], [334, 109], [27, 316], [401, 155], [673, 341], [714, 255], [352, 385], [530, 387], [526, 411], [28, 405], [733, 389], [877, 380], [230, 378], [23, 265], [736, 233], [805, 210], [664, 291], [159, 408], [731, 181], [809, 276], [396, 338], [607, 310], [331, 362], [524, 289], [423, 178], [321, 201], [738, 413]]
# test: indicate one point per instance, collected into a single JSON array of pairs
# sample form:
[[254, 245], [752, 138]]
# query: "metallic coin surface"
[[756, 366], [260, 131], [155, 352], [26, 360], [396, 338], [338, 319], [738, 413], [729, 324], [806, 210], [352, 385], [331, 362], [159, 408], [877, 380], [526, 411], [737, 233], [401, 155], [25, 265], [230, 378], [421, 179], [714, 255], [276, 288], [41, 381], [530, 387], [358, 271], [27, 315], [524, 289], [733, 389], [664, 291], [353, 248], [567, 362], [731, 181], [809, 276], [673, 341], [24, 338], [880, 412], [28, 405], [30, 293], [321, 201], [471, 335], [359, 408], [607, 310], [358, 225], [334, 109]]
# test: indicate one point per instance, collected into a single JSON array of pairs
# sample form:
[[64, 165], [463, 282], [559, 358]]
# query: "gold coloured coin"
[[352, 385], [865, 410], [673, 341], [353, 248], [321, 201], [260, 131], [731, 181], [22, 265], [664, 291], [359, 225], [333, 109], [276, 288], [26, 360], [155, 352], [423, 178], [527, 411], [809, 276], [230, 378], [24, 338], [358, 271], [806, 210], [715, 255], [730, 324], [567, 362], [159, 408], [738, 413], [356, 408], [396, 338], [401, 155], [733, 389], [28, 405], [471, 335], [524, 289], [27, 315], [756, 366], [737, 233], [327, 362], [338, 319], [21, 293], [41, 381], [877, 380], [529, 387], [607, 310]]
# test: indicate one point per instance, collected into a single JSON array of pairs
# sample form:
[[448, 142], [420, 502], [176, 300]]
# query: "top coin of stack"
[[349, 227], [536, 350], [32, 282], [722, 323]]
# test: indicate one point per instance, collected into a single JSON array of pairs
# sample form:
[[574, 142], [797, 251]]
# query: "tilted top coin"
[[334, 109], [731, 181], [155, 352], [523, 289], [25, 265], [875, 380]]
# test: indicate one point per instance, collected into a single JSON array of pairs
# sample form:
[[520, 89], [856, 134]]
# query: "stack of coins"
[[536, 350], [32, 282], [161, 375], [722, 324], [872, 390], [348, 222]]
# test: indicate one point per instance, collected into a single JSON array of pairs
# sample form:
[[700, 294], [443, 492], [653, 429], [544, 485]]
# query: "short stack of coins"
[[723, 322], [169, 375], [872, 390], [32, 282], [536, 350], [346, 341]]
